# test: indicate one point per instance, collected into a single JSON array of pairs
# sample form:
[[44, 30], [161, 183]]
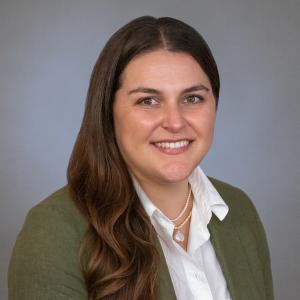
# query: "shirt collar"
[[204, 194]]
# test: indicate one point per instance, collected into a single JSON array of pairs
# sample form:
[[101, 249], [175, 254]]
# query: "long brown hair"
[[120, 257]]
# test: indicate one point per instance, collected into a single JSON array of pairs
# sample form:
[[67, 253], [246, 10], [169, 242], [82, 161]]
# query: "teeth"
[[175, 145]]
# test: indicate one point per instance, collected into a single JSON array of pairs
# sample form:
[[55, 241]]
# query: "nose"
[[173, 117]]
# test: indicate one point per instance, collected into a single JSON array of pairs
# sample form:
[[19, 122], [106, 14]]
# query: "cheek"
[[209, 116], [133, 129], [210, 123], [209, 128], [204, 121]]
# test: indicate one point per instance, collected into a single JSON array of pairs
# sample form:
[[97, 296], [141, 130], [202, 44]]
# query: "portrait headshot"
[[145, 153]]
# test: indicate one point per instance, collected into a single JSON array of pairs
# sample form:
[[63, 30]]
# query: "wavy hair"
[[118, 252]]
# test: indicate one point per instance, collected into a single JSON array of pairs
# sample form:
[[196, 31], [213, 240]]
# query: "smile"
[[172, 145], [173, 148]]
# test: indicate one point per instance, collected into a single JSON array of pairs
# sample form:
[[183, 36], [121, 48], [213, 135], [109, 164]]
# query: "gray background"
[[47, 51]]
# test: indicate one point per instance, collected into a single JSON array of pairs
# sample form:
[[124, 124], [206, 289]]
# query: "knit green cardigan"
[[44, 263]]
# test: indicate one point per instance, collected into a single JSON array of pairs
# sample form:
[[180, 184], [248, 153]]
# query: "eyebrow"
[[146, 90]]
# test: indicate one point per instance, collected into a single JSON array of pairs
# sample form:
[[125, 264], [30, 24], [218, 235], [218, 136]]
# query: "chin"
[[177, 173]]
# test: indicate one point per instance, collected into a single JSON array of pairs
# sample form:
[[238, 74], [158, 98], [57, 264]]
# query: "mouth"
[[173, 147]]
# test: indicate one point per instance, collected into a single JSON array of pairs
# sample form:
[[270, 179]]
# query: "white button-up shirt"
[[195, 273]]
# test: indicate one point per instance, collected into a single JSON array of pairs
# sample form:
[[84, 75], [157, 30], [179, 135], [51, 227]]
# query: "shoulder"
[[237, 200], [58, 208], [242, 213], [53, 221], [227, 190], [45, 258]]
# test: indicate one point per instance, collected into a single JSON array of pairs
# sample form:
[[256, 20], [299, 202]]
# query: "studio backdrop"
[[47, 51]]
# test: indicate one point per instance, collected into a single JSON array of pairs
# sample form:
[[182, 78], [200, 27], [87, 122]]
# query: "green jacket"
[[44, 263]]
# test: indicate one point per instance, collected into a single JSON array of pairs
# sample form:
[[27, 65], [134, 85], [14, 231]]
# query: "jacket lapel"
[[235, 259], [166, 289]]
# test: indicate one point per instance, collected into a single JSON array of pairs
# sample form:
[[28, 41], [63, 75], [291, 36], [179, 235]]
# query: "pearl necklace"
[[185, 206], [179, 236]]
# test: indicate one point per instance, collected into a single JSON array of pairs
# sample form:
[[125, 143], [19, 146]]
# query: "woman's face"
[[164, 116]]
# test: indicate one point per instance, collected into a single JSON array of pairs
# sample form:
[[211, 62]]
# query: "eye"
[[148, 101], [193, 99]]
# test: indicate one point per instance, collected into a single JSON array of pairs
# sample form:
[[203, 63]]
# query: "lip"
[[172, 140], [172, 151]]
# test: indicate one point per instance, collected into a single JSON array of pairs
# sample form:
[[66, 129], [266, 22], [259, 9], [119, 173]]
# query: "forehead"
[[163, 68]]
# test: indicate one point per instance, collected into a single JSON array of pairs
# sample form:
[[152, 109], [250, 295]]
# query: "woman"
[[138, 218]]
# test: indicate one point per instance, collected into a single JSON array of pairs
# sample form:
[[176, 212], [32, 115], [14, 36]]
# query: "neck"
[[170, 198]]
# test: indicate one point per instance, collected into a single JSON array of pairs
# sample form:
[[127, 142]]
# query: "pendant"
[[179, 236]]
